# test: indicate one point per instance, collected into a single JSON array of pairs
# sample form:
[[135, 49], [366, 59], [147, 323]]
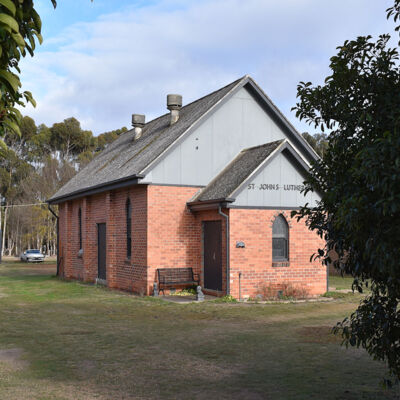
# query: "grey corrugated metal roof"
[[236, 172], [125, 158]]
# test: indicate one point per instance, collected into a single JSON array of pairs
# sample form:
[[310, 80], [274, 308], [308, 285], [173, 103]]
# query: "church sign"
[[274, 186]]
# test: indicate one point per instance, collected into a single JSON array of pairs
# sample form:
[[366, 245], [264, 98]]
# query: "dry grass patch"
[[12, 358], [318, 334]]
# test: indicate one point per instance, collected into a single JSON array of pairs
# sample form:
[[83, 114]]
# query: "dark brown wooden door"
[[101, 251], [212, 250]]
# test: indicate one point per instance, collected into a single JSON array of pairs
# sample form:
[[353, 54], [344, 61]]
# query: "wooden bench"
[[175, 277]]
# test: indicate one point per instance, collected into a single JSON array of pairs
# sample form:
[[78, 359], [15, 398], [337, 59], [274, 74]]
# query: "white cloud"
[[103, 71]]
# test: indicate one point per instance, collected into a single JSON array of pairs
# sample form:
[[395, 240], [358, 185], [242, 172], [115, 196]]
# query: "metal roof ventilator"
[[174, 104], [138, 122]]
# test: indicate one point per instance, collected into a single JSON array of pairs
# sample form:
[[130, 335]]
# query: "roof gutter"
[[116, 184], [228, 278], [213, 204]]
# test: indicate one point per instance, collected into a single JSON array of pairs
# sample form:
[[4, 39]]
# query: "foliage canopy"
[[20, 28], [358, 176]]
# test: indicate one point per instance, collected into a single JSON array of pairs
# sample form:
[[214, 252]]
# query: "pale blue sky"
[[102, 61]]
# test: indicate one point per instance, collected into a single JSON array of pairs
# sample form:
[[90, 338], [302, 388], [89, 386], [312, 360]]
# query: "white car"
[[32, 255]]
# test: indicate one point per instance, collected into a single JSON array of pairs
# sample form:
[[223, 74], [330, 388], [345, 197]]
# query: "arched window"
[[80, 228], [280, 239], [128, 228]]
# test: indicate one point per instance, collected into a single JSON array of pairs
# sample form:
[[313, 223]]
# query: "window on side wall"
[[280, 239], [80, 228], [128, 229]]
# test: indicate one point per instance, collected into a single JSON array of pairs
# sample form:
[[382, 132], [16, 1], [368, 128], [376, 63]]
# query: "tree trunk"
[[17, 238], [10, 245], [4, 230]]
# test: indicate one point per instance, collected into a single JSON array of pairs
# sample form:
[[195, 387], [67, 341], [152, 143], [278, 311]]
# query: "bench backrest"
[[175, 275]]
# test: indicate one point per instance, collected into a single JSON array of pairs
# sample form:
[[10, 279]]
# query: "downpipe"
[[240, 288], [58, 238], [228, 278]]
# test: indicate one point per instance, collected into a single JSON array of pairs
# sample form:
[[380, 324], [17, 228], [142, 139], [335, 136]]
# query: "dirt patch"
[[13, 358], [318, 334]]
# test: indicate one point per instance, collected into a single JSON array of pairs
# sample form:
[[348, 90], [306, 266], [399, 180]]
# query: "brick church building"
[[209, 185]]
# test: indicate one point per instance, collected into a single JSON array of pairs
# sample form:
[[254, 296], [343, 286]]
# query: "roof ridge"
[[199, 99], [218, 90]]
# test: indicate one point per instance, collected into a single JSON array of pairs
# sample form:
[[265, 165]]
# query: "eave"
[[213, 204], [101, 188]]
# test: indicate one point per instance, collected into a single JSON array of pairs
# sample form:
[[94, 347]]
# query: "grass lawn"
[[340, 282], [68, 340]]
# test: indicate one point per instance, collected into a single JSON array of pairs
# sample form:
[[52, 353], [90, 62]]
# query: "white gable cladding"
[[239, 123], [276, 184]]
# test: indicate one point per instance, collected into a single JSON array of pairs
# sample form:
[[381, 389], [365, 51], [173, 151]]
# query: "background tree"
[[318, 141], [33, 167], [359, 179], [69, 139]]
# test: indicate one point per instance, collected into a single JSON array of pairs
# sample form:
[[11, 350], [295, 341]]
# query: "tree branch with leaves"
[[20, 30], [359, 178]]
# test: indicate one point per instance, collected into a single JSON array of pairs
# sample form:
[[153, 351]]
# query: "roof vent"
[[138, 122], [174, 104]]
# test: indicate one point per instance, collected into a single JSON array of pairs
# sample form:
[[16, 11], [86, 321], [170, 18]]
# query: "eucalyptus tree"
[[318, 141]]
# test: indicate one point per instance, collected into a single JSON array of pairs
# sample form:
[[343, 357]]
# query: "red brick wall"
[[106, 208], [173, 234], [71, 265], [166, 234], [254, 228]]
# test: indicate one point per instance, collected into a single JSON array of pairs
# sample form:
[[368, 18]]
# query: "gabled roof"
[[125, 161], [126, 158], [229, 181]]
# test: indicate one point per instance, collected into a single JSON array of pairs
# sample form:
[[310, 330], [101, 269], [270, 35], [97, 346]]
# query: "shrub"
[[186, 292], [284, 290], [226, 299]]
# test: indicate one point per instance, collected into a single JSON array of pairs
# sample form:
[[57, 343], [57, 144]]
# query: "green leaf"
[[12, 79], [29, 97], [13, 126], [17, 113], [3, 146], [9, 5], [39, 36], [37, 20], [18, 39], [32, 42], [9, 21]]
